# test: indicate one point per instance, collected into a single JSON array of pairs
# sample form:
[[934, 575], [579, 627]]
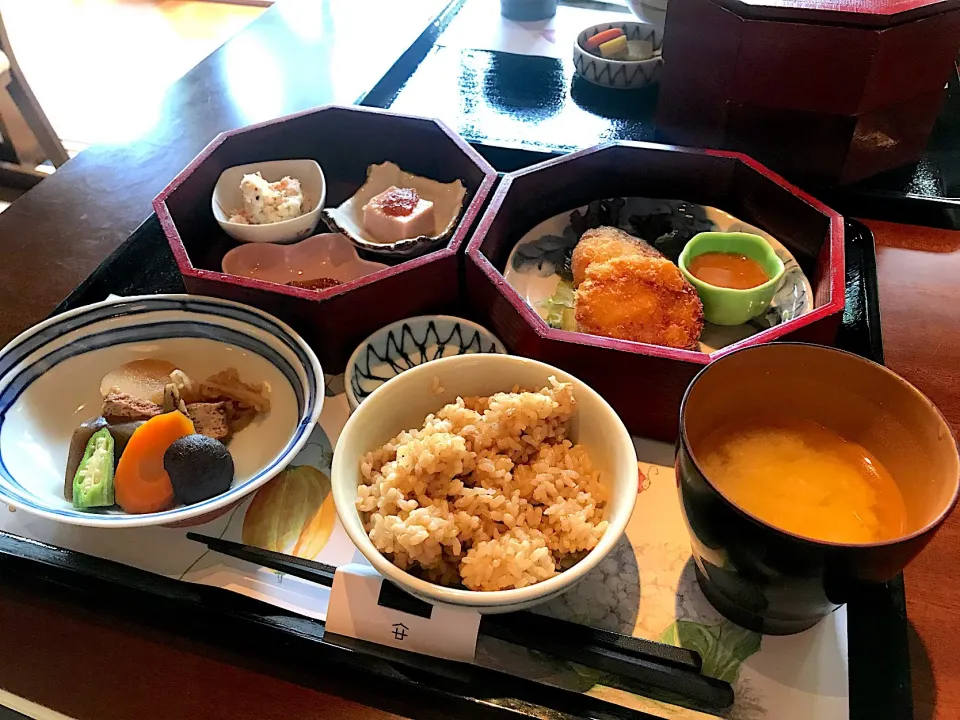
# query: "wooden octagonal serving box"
[[645, 383], [344, 141], [830, 91]]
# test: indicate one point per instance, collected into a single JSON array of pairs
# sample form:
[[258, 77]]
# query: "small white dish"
[[408, 343], [620, 74], [228, 199], [404, 403], [50, 383], [328, 255], [448, 200]]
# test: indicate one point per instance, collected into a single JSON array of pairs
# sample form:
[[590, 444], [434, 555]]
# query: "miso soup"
[[804, 478]]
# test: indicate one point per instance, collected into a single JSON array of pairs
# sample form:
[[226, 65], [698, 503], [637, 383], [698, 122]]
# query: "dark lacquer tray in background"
[[294, 647], [539, 103]]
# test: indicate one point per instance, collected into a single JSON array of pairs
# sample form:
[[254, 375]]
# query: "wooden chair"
[[28, 138]]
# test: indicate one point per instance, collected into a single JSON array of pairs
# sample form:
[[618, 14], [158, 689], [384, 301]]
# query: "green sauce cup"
[[727, 306]]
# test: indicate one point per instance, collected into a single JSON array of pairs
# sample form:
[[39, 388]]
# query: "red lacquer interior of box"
[[731, 182], [344, 141]]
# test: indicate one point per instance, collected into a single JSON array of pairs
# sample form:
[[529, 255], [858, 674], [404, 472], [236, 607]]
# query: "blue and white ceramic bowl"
[[50, 383], [408, 343]]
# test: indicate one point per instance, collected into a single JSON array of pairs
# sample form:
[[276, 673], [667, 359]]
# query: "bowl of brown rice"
[[489, 481]]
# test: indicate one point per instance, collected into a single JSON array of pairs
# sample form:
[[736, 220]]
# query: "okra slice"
[[93, 483]]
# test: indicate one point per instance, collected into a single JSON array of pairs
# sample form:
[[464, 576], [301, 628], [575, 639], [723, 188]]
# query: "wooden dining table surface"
[[59, 650]]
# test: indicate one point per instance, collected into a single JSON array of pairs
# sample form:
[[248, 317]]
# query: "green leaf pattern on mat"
[[723, 647]]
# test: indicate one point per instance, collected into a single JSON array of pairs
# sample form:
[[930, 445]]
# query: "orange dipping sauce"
[[728, 270]]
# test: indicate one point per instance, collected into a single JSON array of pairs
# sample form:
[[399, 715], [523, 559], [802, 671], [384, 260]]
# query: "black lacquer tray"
[[539, 103], [294, 647]]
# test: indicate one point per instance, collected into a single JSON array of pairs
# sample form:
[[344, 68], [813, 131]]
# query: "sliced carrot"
[[141, 483], [595, 41]]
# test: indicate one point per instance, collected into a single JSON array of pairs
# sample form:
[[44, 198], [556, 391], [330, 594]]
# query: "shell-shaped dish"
[[328, 255], [448, 201]]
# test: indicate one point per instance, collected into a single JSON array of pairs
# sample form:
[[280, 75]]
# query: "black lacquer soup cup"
[[772, 580]]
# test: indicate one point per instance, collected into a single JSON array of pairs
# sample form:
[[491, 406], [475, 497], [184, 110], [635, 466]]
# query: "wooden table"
[[68, 224], [918, 270], [56, 652]]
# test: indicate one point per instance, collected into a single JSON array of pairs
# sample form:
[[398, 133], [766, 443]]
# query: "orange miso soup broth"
[[802, 477], [728, 270]]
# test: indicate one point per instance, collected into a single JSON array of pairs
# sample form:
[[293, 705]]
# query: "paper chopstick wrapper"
[[355, 612]]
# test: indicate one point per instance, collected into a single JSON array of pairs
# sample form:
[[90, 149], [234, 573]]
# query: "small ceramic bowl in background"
[[653, 12], [50, 383], [729, 306], [328, 255], [774, 581], [619, 74], [408, 343], [404, 403], [228, 199]]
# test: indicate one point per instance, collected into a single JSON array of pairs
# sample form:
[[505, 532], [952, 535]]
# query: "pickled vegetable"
[[595, 41]]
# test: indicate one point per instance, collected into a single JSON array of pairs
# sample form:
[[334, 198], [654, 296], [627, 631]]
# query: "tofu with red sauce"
[[398, 214]]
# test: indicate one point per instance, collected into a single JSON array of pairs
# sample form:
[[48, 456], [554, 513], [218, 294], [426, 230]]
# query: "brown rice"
[[489, 493]]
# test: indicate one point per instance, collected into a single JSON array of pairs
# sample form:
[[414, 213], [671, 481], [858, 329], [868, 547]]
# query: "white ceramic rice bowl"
[[404, 402], [50, 383]]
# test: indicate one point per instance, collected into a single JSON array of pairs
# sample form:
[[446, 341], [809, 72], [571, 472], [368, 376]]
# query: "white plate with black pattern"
[[538, 266]]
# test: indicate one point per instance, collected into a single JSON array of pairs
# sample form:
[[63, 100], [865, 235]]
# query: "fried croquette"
[[640, 298], [602, 244]]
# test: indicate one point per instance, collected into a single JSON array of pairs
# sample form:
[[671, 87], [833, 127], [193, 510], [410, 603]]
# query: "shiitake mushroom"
[[199, 468]]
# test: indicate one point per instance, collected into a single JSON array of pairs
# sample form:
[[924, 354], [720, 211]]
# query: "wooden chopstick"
[[650, 668], [317, 572], [520, 623]]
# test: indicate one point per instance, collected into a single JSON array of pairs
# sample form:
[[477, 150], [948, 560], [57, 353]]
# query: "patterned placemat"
[[645, 587]]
